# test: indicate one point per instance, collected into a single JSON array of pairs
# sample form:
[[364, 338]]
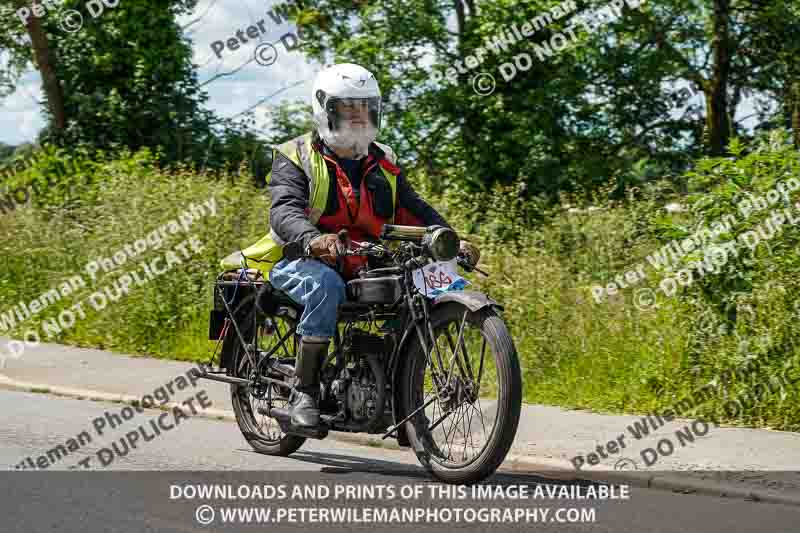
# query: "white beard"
[[355, 138]]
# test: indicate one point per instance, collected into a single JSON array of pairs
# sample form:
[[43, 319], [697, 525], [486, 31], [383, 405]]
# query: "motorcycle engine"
[[355, 388]]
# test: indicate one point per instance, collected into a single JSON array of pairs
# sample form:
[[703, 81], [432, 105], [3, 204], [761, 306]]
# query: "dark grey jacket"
[[289, 191]]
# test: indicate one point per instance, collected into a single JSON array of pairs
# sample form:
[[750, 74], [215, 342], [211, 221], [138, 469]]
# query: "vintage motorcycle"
[[415, 357]]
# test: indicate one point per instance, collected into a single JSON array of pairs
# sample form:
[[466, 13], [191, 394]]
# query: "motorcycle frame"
[[414, 311]]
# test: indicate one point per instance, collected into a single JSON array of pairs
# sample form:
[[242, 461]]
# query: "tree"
[[42, 57], [125, 79], [573, 120], [769, 56]]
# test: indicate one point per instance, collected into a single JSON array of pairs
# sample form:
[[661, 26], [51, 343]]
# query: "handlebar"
[[293, 250]]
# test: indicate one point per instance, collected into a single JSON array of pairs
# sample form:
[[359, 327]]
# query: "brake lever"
[[366, 248]]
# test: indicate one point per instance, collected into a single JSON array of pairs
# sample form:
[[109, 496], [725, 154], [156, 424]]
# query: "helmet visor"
[[354, 112]]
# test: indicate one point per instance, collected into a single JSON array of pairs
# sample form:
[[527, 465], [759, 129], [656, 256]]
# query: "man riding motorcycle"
[[334, 178]]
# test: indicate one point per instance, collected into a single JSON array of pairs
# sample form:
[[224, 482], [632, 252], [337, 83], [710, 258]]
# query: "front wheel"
[[472, 389]]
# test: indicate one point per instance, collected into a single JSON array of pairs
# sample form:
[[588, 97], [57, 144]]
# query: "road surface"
[[121, 496]]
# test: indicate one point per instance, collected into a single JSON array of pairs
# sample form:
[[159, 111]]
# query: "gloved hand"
[[324, 247], [470, 252]]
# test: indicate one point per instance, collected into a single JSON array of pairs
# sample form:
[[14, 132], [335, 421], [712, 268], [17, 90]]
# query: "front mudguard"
[[472, 300]]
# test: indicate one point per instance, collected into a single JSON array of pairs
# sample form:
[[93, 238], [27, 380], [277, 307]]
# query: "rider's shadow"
[[334, 463], [339, 464]]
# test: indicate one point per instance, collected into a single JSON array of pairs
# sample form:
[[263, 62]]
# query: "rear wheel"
[[250, 403], [473, 392]]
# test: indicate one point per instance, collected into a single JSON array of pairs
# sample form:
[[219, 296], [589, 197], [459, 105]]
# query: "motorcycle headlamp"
[[443, 244]]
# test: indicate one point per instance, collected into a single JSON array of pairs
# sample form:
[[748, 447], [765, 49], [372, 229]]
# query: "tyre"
[[263, 332], [474, 394]]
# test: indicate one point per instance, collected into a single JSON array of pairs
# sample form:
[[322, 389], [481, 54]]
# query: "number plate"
[[438, 277]]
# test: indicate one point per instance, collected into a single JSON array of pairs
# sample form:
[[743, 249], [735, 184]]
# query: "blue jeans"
[[316, 286]]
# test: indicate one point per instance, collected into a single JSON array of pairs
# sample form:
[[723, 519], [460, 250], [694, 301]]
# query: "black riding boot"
[[303, 407]]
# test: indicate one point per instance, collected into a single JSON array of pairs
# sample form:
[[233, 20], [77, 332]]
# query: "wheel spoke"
[[447, 435], [452, 432], [457, 422], [480, 416], [467, 375], [458, 345], [467, 434], [440, 420], [480, 410]]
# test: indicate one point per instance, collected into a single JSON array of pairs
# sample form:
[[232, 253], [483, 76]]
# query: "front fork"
[[419, 310], [420, 315]]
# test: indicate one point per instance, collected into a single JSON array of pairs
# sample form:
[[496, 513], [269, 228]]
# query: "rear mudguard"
[[472, 300]]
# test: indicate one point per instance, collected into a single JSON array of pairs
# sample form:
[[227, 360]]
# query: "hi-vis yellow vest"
[[264, 254]]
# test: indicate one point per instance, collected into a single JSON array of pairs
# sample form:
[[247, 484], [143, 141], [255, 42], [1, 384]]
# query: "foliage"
[[542, 262], [743, 299], [730, 189], [115, 203]]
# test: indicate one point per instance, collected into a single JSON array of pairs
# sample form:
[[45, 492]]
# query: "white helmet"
[[352, 87]]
